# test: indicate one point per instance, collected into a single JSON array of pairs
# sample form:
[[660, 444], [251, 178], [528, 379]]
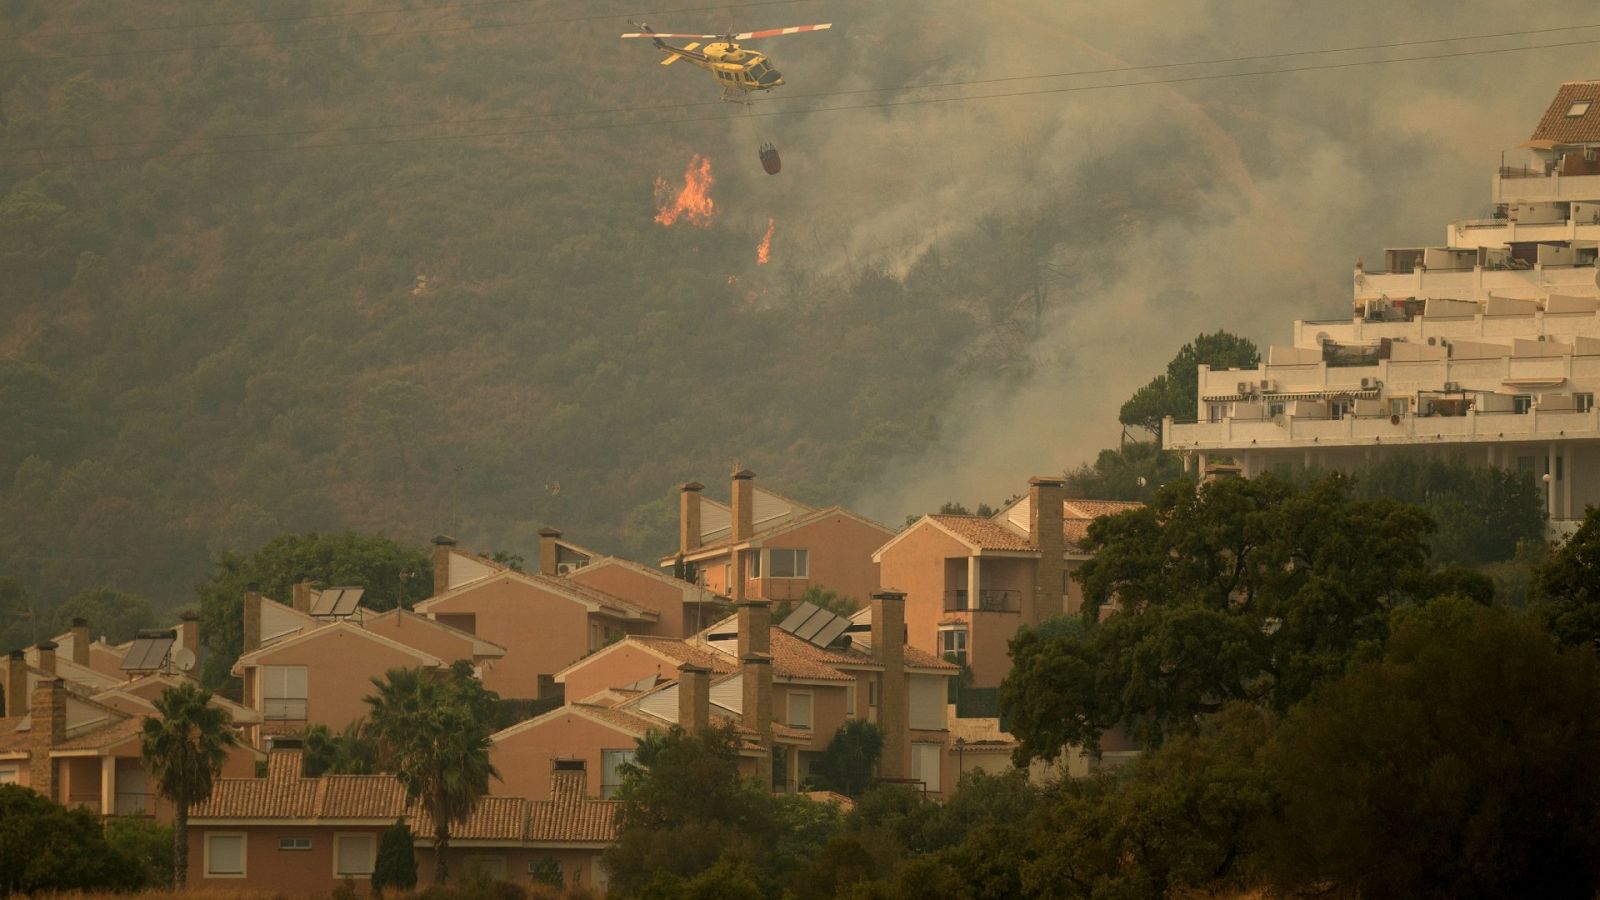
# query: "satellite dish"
[[183, 658]]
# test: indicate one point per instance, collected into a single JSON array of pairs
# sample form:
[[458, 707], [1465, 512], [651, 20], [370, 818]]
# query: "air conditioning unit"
[[1452, 386], [1543, 338], [1243, 387], [1368, 384], [567, 568], [1269, 386], [1432, 341]]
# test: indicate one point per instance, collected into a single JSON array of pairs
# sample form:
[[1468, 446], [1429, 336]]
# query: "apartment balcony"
[[1419, 330], [1478, 282], [1512, 185], [997, 601], [1297, 432]]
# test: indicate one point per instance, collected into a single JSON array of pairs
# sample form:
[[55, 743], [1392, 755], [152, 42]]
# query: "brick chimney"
[[549, 553], [689, 516], [17, 700], [189, 632], [49, 728], [694, 698], [744, 505], [302, 593], [756, 669], [1046, 494], [47, 658], [442, 545], [252, 617], [80, 641], [889, 650], [755, 627]]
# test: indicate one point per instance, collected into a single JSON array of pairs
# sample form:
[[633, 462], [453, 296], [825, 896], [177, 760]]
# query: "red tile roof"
[[684, 652], [1560, 128], [983, 532], [495, 819], [569, 816]]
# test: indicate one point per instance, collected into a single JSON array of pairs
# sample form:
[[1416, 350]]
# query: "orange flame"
[[694, 201], [764, 250]]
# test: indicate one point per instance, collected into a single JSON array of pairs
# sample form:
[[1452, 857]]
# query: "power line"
[[887, 104], [413, 32], [489, 120]]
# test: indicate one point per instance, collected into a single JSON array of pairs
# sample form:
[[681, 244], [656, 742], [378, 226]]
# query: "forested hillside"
[[205, 344], [340, 267]]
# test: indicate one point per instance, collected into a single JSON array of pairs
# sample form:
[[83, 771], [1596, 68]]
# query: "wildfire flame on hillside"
[[694, 201], [764, 249]]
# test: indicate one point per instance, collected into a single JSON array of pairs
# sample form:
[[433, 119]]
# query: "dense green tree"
[[1567, 585], [396, 865], [1461, 764], [183, 749], [1242, 589], [687, 815], [391, 573], [432, 729], [145, 841], [1131, 472], [115, 614], [847, 764], [1175, 392], [1483, 514], [46, 848], [353, 751]]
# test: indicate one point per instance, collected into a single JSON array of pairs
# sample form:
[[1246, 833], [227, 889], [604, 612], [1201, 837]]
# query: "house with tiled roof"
[[683, 607], [301, 836], [82, 752], [972, 581], [545, 621], [790, 693], [763, 545]]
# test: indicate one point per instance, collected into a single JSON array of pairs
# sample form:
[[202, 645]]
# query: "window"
[[800, 709], [224, 853], [488, 868], [294, 843], [1578, 109], [872, 692], [353, 855], [611, 762], [8, 775], [1398, 406], [1521, 403], [850, 699], [925, 764], [1274, 410], [752, 563], [1583, 402], [789, 563], [953, 642], [283, 692], [1216, 412], [571, 765], [1338, 409]]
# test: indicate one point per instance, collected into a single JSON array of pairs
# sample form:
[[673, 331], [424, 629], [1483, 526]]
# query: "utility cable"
[[522, 117], [887, 104]]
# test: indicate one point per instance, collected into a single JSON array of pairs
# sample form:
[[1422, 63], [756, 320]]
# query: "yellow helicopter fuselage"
[[734, 67]]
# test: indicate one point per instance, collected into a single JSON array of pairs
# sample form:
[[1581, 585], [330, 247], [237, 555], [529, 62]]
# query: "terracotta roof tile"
[[1560, 128], [361, 797], [495, 819], [684, 652], [984, 532], [794, 658], [569, 816]]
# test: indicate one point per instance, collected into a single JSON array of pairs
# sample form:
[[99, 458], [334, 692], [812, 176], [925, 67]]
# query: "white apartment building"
[[1488, 345]]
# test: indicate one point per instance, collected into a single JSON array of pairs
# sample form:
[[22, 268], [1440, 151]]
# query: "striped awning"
[[1359, 393]]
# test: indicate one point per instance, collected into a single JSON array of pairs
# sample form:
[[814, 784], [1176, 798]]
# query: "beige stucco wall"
[[641, 590], [621, 665], [840, 559], [542, 632], [448, 647], [340, 666], [526, 759]]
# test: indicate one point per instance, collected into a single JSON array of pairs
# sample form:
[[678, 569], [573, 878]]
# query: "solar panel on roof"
[[831, 631], [643, 684], [800, 614], [337, 601], [149, 651]]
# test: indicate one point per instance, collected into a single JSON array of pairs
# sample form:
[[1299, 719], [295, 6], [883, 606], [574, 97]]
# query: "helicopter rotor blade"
[[663, 34], [779, 32]]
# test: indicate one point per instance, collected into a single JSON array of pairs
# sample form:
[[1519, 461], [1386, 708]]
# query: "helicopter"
[[741, 72]]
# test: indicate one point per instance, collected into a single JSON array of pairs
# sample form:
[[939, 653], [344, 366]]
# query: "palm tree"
[[433, 728], [184, 751]]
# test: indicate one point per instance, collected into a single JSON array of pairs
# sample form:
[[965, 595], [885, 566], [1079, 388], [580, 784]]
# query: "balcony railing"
[[989, 600], [135, 804]]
